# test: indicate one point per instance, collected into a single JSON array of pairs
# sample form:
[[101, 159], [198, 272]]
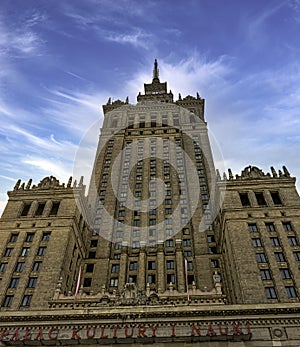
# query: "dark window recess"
[[94, 243], [291, 291], [252, 227], [92, 255], [151, 279], [287, 226], [170, 278], [14, 283], [270, 226], [25, 209], [280, 257], [265, 274], [212, 250], [8, 301], [19, 267], [54, 209], [245, 199], [151, 265], [32, 282], [26, 300], [89, 268], [260, 199], [132, 279], [297, 255], [41, 251], [190, 279], [285, 274], [13, 237], [29, 237], [276, 198], [46, 235], [87, 282], [8, 252], [37, 266], [133, 265], [40, 209], [3, 267], [270, 293]]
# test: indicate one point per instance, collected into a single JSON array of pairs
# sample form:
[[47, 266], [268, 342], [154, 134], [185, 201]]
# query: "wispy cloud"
[[137, 39]]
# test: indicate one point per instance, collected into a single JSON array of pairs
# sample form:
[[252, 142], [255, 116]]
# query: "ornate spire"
[[155, 71]]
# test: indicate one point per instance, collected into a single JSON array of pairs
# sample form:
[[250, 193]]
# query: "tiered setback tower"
[[162, 251], [150, 190]]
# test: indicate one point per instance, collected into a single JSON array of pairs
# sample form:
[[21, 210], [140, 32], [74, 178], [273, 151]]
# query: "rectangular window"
[[291, 291], [270, 226], [170, 243], [260, 199], [114, 282], [270, 293], [135, 244], [37, 266], [133, 265], [297, 255], [115, 268], [186, 243], [25, 209], [152, 221], [275, 241], [14, 283], [152, 232], [92, 255], [190, 265], [8, 252], [87, 282], [293, 241], [19, 266], [46, 236], [54, 208], [89, 268], [3, 267], [25, 251], [285, 274], [170, 264], [287, 226], [119, 234], [170, 278], [94, 243], [118, 245], [151, 279], [168, 202], [187, 254], [276, 198], [13, 237], [252, 227], [32, 282], [265, 274], [279, 256], [26, 300], [214, 263], [41, 251], [261, 258], [256, 242], [132, 279], [152, 265], [7, 302], [29, 237], [40, 209]]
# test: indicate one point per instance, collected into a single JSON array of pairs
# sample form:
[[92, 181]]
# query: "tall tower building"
[[150, 193], [161, 250]]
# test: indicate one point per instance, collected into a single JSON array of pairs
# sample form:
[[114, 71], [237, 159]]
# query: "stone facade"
[[161, 250]]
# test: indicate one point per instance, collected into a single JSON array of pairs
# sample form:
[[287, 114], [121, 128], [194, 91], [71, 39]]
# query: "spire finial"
[[155, 71]]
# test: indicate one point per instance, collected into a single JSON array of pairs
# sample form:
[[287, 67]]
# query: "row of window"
[[40, 209], [20, 266], [8, 300], [29, 237], [290, 291], [270, 226], [260, 198], [25, 251]]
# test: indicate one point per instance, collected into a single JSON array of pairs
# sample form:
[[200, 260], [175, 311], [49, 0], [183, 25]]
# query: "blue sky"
[[61, 60]]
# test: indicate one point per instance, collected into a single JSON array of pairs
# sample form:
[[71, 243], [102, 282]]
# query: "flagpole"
[[78, 283]]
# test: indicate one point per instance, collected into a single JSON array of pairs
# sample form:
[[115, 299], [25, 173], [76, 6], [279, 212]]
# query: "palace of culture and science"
[[161, 249]]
